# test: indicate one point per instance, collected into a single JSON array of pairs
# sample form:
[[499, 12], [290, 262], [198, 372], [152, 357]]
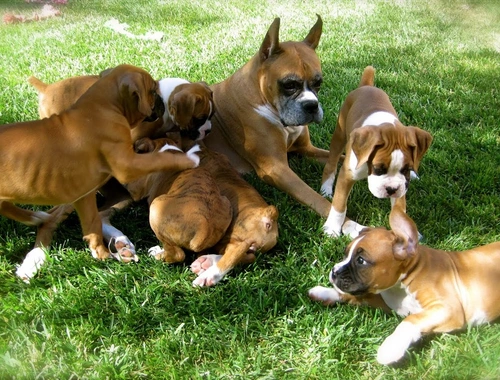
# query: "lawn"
[[439, 61]]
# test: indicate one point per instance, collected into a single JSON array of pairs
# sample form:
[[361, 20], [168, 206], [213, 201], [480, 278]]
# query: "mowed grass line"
[[438, 62]]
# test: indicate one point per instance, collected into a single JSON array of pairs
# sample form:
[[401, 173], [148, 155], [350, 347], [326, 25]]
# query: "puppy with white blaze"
[[435, 291], [378, 147]]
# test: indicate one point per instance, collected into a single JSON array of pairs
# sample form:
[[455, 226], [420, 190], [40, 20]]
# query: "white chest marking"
[[166, 87], [268, 113], [401, 300], [380, 117]]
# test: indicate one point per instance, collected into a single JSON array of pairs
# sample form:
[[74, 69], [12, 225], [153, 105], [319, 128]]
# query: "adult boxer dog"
[[63, 159], [261, 112], [211, 206], [436, 291], [188, 105], [377, 146]]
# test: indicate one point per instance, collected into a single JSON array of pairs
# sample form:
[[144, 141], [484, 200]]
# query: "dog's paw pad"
[[202, 263], [156, 252], [122, 249]]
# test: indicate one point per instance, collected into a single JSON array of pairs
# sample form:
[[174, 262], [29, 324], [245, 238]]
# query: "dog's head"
[[138, 91], [290, 75], [190, 107], [390, 153], [378, 258]]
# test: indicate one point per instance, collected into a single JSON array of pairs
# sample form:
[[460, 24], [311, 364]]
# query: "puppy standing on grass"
[[436, 291], [179, 105], [65, 158], [377, 146]]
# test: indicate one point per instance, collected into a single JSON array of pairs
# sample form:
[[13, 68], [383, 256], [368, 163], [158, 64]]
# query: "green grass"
[[438, 61]]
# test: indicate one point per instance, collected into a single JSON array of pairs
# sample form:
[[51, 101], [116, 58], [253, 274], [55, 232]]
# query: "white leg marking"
[[209, 277], [395, 345], [334, 222], [192, 156], [325, 295], [352, 229], [155, 251], [31, 264], [166, 147], [327, 186]]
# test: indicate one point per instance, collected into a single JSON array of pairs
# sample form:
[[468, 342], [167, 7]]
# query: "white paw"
[[395, 345], [352, 229], [155, 251], [327, 296], [122, 249], [31, 264], [192, 156], [209, 277], [166, 147], [206, 261], [327, 187], [333, 224], [413, 175]]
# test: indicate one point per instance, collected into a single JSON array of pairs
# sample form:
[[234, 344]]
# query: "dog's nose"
[[391, 190], [310, 106]]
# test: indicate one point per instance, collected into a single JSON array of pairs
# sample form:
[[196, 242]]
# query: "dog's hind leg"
[[45, 232]]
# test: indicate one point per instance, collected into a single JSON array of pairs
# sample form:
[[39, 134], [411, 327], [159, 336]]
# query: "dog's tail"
[[368, 77], [37, 83]]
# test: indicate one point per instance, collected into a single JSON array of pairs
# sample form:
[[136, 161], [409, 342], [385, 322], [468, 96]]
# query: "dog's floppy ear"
[[271, 43], [419, 140], [105, 72], [314, 35], [406, 233], [363, 142], [133, 88]]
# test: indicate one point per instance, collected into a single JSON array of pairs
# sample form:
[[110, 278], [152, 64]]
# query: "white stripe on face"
[[349, 255], [392, 179], [380, 117]]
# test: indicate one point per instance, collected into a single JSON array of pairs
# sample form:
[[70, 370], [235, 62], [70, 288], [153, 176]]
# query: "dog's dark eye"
[[361, 261], [315, 85], [406, 171], [290, 86], [379, 170]]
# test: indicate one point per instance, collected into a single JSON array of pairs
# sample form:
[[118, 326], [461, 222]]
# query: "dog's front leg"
[[337, 214], [90, 221], [234, 253], [278, 174], [432, 320]]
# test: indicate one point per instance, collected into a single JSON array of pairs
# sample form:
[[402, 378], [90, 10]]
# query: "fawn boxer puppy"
[[183, 209], [377, 146], [63, 159], [262, 112], [186, 210], [189, 105], [436, 291]]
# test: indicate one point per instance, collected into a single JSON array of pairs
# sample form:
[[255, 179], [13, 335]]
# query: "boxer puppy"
[[377, 146], [65, 158], [56, 97], [261, 112], [251, 226], [189, 105], [436, 291], [186, 209]]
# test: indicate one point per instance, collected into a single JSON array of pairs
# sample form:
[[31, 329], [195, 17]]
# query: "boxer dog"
[[63, 159], [436, 291], [190, 210], [377, 146], [189, 105], [261, 112]]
